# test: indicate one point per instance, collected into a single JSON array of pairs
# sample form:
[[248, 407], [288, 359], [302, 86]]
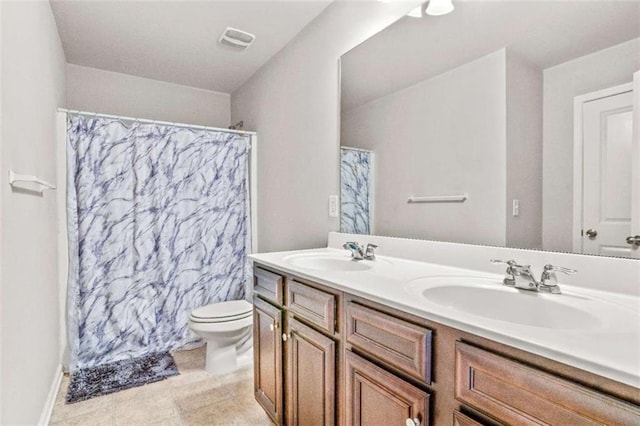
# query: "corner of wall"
[[33, 86]]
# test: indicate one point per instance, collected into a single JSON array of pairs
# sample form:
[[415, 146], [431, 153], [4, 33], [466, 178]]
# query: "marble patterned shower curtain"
[[355, 190], [158, 223]]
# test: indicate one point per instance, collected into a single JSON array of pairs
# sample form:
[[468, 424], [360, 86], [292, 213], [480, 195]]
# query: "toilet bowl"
[[226, 327]]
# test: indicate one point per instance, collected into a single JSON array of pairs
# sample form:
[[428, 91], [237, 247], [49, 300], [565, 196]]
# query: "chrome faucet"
[[549, 280], [369, 252], [521, 276], [358, 253]]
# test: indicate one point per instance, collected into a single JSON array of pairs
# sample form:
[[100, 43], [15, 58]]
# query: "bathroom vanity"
[[354, 343]]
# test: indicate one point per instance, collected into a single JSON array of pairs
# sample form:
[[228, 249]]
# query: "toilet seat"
[[222, 312]]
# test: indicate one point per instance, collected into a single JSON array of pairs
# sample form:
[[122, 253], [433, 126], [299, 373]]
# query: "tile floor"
[[191, 398]]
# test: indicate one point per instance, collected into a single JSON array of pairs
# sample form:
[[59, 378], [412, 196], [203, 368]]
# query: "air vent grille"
[[235, 38]]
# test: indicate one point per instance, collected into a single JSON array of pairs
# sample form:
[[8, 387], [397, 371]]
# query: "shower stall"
[[155, 220]]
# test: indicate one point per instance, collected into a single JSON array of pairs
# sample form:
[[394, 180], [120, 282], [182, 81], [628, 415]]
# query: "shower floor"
[[191, 398]]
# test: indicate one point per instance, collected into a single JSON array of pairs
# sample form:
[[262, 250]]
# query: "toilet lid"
[[223, 311]]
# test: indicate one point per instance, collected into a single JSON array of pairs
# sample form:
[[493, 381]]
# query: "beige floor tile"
[[195, 401], [215, 414], [64, 411], [241, 388], [252, 412], [103, 417], [188, 378], [193, 359], [172, 421], [207, 383], [145, 409], [192, 398]]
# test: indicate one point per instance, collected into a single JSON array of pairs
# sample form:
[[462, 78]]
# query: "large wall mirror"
[[505, 123]]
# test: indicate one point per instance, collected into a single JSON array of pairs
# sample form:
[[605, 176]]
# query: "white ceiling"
[[176, 41], [546, 33]]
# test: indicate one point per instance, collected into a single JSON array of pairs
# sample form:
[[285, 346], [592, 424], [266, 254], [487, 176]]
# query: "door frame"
[[578, 102]]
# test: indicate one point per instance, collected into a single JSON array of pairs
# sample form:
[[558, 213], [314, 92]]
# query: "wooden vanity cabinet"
[[348, 360], [296, 348]]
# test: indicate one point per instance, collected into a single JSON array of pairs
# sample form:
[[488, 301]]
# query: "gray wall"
[[442, 136], [33, 86], [562, 83], [90, 89], [524, 152], [293, 103]]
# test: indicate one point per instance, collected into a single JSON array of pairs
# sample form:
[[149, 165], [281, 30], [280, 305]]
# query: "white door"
[[608, 150], [635, 166]]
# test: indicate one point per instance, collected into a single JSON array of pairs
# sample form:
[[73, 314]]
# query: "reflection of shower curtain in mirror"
[[158, 222], [355, 190]]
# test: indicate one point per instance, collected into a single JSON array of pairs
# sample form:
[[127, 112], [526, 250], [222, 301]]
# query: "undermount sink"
[[326, 262], [490, 299]]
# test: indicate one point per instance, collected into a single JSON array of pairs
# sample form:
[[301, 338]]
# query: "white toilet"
[[227, 329]]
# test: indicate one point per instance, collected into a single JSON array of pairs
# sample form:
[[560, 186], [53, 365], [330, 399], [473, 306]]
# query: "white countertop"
[[610, 349]]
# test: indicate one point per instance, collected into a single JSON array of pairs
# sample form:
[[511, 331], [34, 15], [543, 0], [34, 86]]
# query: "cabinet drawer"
[[460, 419], [517, 394], [399, 343], [268, 285], [313, 305], [376, 397]]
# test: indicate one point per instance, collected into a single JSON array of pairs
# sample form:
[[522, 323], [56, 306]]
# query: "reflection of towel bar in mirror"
[[16, 179], [438, 199]]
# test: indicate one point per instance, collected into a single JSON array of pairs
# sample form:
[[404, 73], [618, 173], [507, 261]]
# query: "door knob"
[[591, 233], [634, 240]]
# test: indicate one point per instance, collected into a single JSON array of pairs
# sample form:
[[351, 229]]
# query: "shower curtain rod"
[[356, 149], [166, 123]]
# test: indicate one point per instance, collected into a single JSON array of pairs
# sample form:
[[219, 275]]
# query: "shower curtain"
[[158, 223], [355, 190]]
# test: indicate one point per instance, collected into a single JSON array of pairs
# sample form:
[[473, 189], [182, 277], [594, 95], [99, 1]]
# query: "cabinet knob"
[[413, 422], [284, 337]]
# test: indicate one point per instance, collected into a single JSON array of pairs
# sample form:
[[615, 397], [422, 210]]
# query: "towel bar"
[[438, 199], [16, 178]]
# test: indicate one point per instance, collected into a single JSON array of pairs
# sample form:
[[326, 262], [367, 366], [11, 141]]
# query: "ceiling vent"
[[237, 39]]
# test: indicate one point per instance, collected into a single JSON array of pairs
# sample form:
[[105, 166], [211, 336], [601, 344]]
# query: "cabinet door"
[[311, 376], [377, 397], [267, 352]]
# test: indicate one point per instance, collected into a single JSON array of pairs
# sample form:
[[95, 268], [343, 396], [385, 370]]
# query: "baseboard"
[[51, 398]]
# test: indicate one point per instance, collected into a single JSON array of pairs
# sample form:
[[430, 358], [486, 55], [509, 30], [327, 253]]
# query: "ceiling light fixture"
[[439, 7]]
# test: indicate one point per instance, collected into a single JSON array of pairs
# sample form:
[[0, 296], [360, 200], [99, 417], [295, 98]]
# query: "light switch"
[[333, 205], [516, 208]]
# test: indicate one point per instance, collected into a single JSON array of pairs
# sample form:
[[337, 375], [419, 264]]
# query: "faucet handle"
[[352, 245], [553, 268], [549, 278], [506, 262], [357, 252], [510, 279], [369, 253], [549, 281]]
